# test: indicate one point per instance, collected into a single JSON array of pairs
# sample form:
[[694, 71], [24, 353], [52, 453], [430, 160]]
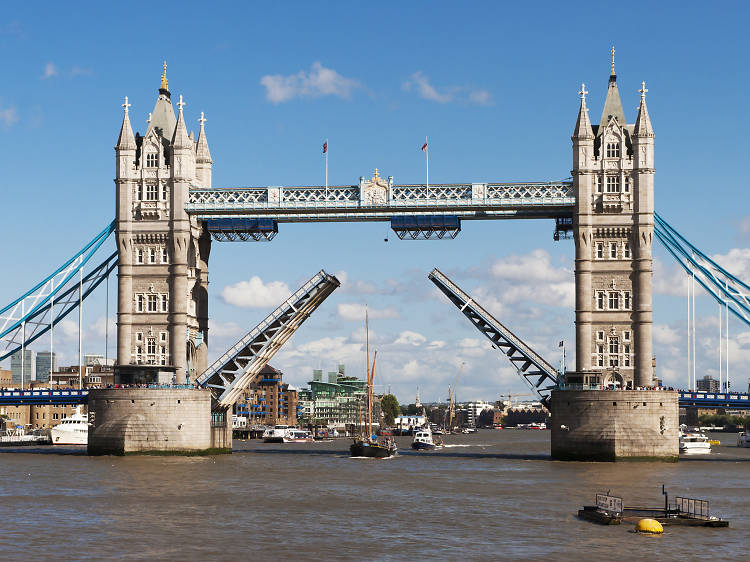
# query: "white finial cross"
[[126, 105], [643, 90], [149, 118], [180, 103], [202, 120], [583, 92]]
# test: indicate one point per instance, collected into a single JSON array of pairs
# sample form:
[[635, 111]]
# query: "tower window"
[[613, 250], [613, 150], [600, 355], [152, 255], [600, 301], [613, 184], [626, 304], [614, 301], [600, 335], [152, 160], [152, 192], [627, 183], [164, 255], [139, 255], [626, 355], [164, 303], [151, 346], [162, 336], [152, 303], [139, 303], [600, 250], [164, 192], [626, 250], [599, 184], [139, 336]]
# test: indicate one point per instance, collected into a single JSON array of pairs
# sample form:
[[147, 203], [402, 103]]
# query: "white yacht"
[[423, 441], [694, 442], [73, 430], [743, 439], [298, 436], [275, 434]]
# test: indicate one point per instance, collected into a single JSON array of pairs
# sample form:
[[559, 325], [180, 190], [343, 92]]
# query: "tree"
[[390, 408]]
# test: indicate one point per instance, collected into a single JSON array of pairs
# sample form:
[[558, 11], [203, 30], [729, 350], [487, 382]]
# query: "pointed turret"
[[642, 126], [126, 140], [583, 124], [203, 162], [612, 105], [202, 154], [181, 138], [162, 118]]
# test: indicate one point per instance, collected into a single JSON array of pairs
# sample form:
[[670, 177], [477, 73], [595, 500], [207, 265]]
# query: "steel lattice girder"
[[231, 373], [537, 372]]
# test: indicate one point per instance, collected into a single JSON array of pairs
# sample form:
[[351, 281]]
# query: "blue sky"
[[494, 86]]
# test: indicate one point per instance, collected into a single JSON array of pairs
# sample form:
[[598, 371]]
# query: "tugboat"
[[369, 446], [423, 441]]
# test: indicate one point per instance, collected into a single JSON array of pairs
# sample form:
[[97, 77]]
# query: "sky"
[[494, 86]]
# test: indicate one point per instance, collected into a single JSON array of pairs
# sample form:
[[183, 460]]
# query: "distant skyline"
[[494, 87]]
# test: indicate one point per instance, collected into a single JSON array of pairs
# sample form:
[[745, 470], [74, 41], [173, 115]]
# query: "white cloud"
[[223, 330], [420, 83], [99, 327], [8, 116], [319, 81], [356, 311], [410, 338], [736, 261], [665, 335], [80, 71], [256, 294], [427, 91], [50, 71], [745, 225], [532, 277]]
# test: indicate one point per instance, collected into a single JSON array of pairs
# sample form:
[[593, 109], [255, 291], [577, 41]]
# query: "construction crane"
[[451, 397]]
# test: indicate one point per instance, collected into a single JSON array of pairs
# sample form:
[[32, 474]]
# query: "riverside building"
[[268, 400]]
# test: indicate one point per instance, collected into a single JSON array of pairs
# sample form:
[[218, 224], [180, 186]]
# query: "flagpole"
[[325, 151]]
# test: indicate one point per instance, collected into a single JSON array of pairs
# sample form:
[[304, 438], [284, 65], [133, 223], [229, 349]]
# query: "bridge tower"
[[162, 317], [613, 171]]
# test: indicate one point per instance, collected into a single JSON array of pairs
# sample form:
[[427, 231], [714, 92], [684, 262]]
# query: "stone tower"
[[162, 316], [613, 176]]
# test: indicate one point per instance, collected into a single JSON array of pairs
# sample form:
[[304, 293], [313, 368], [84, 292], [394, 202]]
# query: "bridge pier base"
[[174, 421], [611, 425]]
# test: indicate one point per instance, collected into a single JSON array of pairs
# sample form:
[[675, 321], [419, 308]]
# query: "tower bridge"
[[167, 214]]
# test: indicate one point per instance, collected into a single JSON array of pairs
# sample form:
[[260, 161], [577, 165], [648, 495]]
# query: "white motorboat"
[[694, 442], [275, 434], [743, 439], [73, 430], [423, 441], [298, 436]]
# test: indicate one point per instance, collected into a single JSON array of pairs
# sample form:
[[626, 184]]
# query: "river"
[[491, 495]]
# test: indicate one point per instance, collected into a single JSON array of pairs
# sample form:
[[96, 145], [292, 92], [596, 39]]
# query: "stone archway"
[[614, 379]]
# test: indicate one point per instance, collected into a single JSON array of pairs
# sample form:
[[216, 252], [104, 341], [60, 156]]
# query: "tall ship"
[[368, 445], [72, 430]]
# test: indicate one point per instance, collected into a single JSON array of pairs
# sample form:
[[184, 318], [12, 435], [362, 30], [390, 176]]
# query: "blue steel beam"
[[738, 400], [42, 397]]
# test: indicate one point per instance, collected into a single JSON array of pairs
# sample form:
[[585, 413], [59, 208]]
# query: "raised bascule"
[[168, 214]]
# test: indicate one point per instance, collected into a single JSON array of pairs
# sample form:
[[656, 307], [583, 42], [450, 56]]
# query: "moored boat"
[[743, 439], [298, 436], [72, 430], [372, 448], [275, 434]]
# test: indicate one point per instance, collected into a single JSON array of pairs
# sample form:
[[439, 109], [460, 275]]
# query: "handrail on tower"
[[231, 373], [538, 373]]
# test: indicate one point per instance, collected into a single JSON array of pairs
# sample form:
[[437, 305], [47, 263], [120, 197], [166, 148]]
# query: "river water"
[[491, 495]]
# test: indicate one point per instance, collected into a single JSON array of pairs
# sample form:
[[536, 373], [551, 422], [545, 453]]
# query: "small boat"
[[743, 439], [298, 436], [275, 434], [368, 445], [423, 441], [72, 430], [694, 442], [372, 448]]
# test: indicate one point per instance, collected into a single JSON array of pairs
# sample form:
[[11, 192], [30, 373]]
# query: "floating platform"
[[595, 515]]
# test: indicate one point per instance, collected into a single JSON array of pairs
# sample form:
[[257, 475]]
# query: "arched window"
[[152, 160], [613, 150]]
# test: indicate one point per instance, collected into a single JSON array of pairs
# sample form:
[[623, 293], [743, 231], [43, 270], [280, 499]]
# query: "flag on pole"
[[325, 147], [561, 344], [424, 146]]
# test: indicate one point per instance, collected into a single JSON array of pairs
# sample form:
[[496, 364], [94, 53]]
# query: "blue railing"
[[715, 399], [43, 396]]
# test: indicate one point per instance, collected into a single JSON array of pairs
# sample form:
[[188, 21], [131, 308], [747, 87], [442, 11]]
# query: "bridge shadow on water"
[[437, 454]]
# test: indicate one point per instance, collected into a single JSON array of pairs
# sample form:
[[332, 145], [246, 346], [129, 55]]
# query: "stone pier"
[[155, 421], [610, 425]]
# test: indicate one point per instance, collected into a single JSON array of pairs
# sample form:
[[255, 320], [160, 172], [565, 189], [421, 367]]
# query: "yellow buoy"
[[649, 526]]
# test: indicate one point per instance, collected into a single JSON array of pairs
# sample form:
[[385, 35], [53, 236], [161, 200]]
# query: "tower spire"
[[611, 52], [583, 128], [181, 139], [126, 140], [612, 105], [642, 127], [164, 81], [202, 154]]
